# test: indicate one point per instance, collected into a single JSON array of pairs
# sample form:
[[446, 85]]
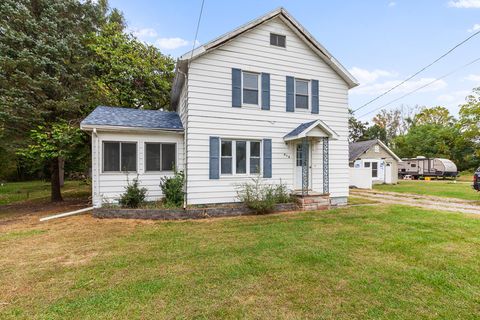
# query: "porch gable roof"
[[304, 129]]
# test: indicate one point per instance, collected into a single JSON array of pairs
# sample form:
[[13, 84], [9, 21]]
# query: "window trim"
[[277, 34], [309, 92], [234, 158], [376, 169], [249, 159], [259, 88], [120, 142], [227, 157], [161, 156]]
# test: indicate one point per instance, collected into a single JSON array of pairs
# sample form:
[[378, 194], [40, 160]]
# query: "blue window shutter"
[[290, 93], [315, 96], [265, 91], [214, 157], [236, 88], [267, 158]]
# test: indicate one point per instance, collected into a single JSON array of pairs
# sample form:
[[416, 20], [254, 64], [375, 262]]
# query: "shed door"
[[388, 173]]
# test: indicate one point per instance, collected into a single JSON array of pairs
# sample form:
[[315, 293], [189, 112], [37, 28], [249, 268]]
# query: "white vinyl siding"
[[108, 186], [210, 112]]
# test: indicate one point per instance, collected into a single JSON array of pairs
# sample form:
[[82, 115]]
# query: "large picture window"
[[301, 94], [240, 157], [160, 156], [119, 156]]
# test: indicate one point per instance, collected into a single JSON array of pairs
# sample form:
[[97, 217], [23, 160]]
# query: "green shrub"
[[172, 188], [261, 197], [133, 196]]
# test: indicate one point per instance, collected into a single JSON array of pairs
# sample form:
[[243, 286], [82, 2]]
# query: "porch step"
[[313, 202]]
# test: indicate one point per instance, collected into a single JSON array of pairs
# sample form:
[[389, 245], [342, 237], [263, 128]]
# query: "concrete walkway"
[[422, 201]]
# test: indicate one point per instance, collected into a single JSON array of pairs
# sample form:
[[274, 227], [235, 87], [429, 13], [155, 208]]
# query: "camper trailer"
[[426, 167]]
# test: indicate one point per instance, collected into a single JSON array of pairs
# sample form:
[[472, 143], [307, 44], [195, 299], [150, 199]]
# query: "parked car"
[[476, 179]]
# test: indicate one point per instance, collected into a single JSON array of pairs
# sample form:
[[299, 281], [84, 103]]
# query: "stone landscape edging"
[[184, 214]]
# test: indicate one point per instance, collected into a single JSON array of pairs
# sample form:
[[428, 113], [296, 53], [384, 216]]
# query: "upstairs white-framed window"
[[302, 94], [250, 88], [240, 157]]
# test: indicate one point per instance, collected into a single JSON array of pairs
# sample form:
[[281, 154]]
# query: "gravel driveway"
[[422, 201]]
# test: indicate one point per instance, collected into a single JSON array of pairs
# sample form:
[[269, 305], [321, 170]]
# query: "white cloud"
[[454, 98], [144, 33], [378, 88], [473, 77], [475, 28], [392, 4], [467, 4], [171, 43], [365, 76]]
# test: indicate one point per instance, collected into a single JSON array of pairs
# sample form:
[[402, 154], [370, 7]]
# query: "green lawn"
[[352, 200], [440, 188], [365, 262], [12, 192]]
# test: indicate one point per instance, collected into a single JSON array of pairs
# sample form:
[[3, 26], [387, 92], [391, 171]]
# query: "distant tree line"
[[59, 59], [429, 132]]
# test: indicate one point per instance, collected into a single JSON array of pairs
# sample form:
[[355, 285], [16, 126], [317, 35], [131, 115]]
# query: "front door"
[[298, 166]]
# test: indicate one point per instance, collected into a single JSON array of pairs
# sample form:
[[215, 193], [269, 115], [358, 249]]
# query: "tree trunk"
[[55, 181], [61, 170]]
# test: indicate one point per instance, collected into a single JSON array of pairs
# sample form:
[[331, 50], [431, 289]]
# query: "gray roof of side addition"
[[356, 149], [132, 118]]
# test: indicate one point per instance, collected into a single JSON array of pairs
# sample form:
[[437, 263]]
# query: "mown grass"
[[358, 262], [352, 200], [439, 188], [13, 192]]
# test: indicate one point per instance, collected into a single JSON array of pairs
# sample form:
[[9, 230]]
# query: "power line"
[[198, 27], [418, 72], [424, 86]]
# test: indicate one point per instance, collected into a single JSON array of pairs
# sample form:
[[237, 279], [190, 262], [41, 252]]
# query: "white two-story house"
[[264, 99]]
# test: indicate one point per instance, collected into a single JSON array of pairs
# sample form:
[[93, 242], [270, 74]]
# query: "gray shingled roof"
[[136, 118], [355, 149], [299, 129]]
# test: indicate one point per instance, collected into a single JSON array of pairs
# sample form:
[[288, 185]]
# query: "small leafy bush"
[[172, 188], [261, 197], [133, 196], [281, 193]]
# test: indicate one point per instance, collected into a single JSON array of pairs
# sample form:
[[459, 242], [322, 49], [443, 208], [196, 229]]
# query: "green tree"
[[356, 128], [436, 115], [59, 59], [59, 141], [375, 132], [43, 79], [128, 72], [436, 140], [470, 118]]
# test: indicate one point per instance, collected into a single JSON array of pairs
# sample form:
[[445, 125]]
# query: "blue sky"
[[380, 41]]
